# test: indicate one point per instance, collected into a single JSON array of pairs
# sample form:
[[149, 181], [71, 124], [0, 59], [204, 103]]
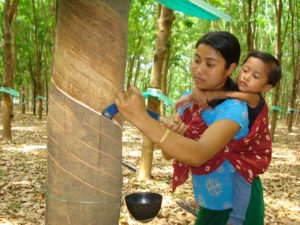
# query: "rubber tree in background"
[[84, 179], [9, 65], [295, 65], [279, 43], [165, 21]]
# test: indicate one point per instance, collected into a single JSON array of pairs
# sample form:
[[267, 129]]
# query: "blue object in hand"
[[111, 110]]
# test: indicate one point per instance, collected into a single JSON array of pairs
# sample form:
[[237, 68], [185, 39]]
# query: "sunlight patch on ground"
[[5, 223], [26, 148], [133, 154], [24, 128]]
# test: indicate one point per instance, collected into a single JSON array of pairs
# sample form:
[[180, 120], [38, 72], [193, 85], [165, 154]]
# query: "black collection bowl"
[[143, 206]]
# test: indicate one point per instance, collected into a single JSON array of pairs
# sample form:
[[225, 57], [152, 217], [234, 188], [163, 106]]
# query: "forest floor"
[[23, 168]]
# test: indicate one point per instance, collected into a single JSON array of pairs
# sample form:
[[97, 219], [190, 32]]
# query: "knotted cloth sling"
[[250, 155]]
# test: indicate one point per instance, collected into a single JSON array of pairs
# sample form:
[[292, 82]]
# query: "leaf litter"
[[23, 168]]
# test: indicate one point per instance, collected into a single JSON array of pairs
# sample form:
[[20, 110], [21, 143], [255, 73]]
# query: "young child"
[[259, 73]]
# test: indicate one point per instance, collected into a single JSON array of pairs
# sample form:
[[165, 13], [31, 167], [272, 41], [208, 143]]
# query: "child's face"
[[208, 68], [253, 76]]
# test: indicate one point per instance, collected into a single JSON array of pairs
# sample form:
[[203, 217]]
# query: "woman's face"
[[208, 68]]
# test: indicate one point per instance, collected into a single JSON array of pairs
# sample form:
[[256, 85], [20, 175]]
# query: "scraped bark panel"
[[84, 160], [84, 178], [90, 49]]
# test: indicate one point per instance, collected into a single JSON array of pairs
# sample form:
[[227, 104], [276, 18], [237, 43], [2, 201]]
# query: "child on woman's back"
[[259, 73]]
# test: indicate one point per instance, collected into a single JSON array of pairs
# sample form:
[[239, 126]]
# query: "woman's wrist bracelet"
[[165, 135]]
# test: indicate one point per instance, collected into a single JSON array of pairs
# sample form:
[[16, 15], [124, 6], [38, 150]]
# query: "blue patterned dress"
[[215, 190]]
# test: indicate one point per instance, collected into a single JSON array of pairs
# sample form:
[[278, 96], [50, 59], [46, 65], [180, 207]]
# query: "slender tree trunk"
[[230, 13], [27, 88], [297, 120], [38, 62], [9, 12], [46, 83], [165, 22], [137, 72], [247, 18], [164, 78], [34, 97], [23, 109], [84, 180], [130, 72], [274, 115], [295, 73], [136, 55]]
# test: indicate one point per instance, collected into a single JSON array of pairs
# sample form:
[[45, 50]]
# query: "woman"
[[216, 57]]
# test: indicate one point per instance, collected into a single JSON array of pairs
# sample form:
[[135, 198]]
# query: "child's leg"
[[241, 198]]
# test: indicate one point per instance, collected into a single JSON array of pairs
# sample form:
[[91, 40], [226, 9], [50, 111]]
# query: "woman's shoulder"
[[233, 109], [234, 103]]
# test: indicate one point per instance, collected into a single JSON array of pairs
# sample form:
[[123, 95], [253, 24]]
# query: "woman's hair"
[[274, 74], [225, 43], [229, 47]]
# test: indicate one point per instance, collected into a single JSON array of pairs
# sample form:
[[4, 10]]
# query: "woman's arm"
[[194, 153], [176, 125]]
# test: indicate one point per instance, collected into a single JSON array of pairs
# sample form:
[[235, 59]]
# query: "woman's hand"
[[131, 104], [175, 124]]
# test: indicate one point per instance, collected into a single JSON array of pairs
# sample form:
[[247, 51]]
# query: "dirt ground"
[[23, 168]]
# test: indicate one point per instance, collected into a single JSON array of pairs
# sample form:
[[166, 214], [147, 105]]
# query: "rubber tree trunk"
[[296, 64], [274, 115], [165, 22], [164, 75], [9, 12], [23, 106], [84, 179]]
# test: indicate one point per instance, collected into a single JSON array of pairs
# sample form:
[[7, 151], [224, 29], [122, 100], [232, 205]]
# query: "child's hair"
[[275, 69], [225, 43]]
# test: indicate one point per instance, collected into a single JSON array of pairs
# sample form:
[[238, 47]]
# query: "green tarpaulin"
[[197, 8]]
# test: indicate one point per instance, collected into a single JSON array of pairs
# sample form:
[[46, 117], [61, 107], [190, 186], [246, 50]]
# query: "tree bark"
[[84, 180], [23, 108], [137, 71], [9, 12], [38, 62], [130, 71], [164, 77], [274, 115], [165, 22], [295, 80], [247, 18]]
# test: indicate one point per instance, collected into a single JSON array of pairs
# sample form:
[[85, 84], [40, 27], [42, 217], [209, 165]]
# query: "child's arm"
[[183, 101], [252, 99], [197, 95]]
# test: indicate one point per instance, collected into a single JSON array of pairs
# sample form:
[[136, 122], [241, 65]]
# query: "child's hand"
[[183, 101], [199, 98], [212, 95]]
